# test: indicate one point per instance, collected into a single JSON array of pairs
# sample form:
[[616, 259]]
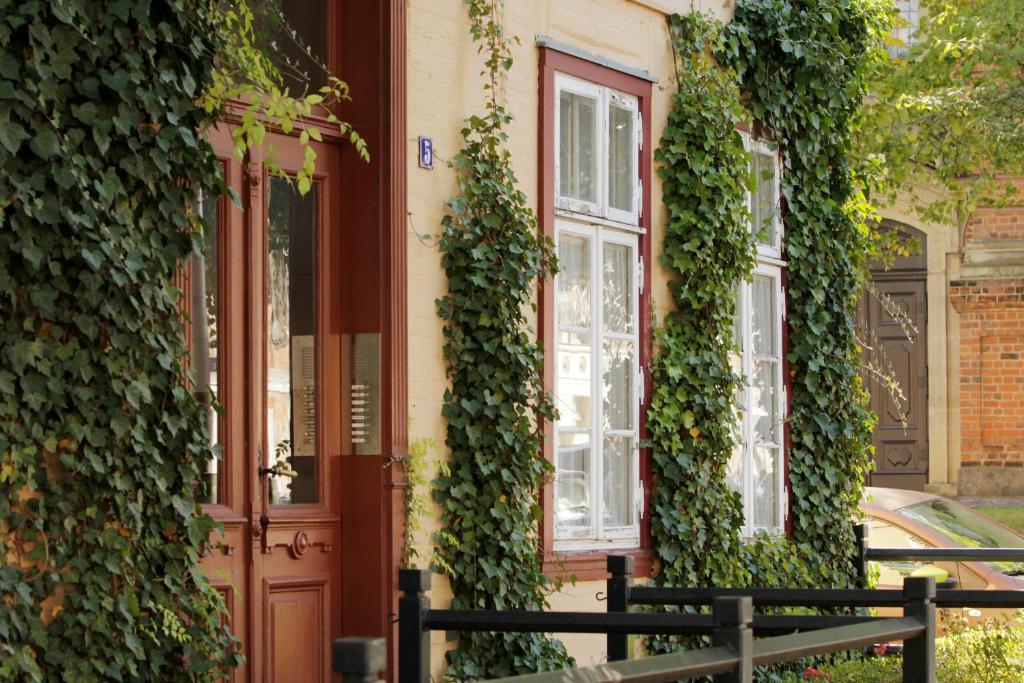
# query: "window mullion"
[[748, 423], [596, 341]]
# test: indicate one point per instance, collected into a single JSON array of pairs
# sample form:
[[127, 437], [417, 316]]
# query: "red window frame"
[[589, 565]]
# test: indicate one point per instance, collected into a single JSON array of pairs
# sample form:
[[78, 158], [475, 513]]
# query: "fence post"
[[732, 617], [919, 652], [359, 660], [413, 638], [860, 554], [620, 581]]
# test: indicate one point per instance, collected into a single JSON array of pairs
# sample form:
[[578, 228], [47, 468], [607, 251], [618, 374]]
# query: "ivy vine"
[[798, 69], [101, 445], [493, 256]]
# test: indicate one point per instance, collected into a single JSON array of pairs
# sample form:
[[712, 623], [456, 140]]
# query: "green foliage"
[[801, 68], [102, 445], [991, 652], [805, 66], [247, 77], [708, 248], [493, 255], [949, 114]]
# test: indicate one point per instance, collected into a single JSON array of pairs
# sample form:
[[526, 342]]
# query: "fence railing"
[[732, 623]]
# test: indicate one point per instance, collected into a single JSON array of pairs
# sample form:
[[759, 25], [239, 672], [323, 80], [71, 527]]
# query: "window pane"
[[577, 146], [764, 392], [575, 372], [572, 484], [734, 470], [204, 306], [766, 486], [763, 202], [617, 383], [574, 296], [617, 288], [763, 325], [291, 341], [617, 461], [622, 176], [300, 68]]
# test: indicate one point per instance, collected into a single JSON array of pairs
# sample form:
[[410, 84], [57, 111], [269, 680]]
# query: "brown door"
[[893, 329], [271, 288]]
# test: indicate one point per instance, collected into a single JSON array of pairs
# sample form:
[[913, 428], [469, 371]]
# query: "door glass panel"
[[572, 484], [621, 158], [577, 146], [291, 342], [618, 481], [301, 56], [617, 288], [204, 308]]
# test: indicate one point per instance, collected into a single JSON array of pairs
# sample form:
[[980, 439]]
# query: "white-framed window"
[[764, 198], [597, 489], [597, 133], [756, 466], [904, 35]]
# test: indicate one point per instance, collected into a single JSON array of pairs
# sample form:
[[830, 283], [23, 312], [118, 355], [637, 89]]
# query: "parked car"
[[911, 519]]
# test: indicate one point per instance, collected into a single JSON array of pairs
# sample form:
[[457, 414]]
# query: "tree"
[[950, 115]]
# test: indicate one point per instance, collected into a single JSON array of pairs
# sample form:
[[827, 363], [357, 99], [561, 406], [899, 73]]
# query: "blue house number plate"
[[426, 152]]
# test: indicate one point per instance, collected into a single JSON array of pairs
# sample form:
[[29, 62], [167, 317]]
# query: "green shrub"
[[992, 652]]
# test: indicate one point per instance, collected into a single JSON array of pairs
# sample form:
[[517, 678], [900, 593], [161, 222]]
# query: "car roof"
[[894, 499]]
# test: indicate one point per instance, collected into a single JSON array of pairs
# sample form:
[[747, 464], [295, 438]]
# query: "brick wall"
[[991, 371]]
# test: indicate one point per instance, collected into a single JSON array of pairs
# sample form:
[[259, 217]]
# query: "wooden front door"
[[897, 350], [270, 348]]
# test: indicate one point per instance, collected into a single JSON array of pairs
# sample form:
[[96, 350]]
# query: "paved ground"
[[994, 502]]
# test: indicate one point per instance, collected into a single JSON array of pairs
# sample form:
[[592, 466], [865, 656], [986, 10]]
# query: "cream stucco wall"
[[444, 87]]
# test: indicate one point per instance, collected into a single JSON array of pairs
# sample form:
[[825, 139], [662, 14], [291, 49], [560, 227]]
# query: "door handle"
[[278, 470]]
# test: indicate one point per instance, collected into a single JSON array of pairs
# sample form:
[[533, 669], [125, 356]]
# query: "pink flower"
[[810, 673]]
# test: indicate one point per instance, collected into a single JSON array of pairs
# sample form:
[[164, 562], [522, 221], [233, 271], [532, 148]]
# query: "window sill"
[[592, 565]]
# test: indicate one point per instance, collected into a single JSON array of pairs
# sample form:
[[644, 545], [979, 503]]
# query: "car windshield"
[[966, 528]]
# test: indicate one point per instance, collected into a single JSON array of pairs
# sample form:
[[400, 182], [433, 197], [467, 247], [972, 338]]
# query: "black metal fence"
[[731, 625]]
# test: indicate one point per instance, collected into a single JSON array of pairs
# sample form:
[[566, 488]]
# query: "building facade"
[[326, 351]]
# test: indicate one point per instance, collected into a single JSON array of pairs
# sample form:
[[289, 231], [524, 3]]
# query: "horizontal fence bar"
[[949, 554], [979, 598], [568, 622], [778, 624], [623, 623], [769, 597], [797, 645], [657, 669]]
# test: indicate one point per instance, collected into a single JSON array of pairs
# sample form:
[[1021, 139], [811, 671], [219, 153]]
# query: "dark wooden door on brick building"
[[892, 322]]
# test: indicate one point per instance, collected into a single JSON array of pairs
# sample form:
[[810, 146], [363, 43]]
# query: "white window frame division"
[[605, 97], [755, 146], [597, 536], [747, 437]]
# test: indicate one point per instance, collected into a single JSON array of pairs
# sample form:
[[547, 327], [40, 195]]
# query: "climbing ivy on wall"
[[796, 68], [101, 448], [493, 255]]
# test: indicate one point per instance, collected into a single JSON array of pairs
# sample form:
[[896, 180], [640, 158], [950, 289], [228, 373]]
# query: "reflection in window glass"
[[621, 158], [204, 307], [596, 388], [301, 56], [763, 199], [577, 146], [291, 342], [755, 468], [966, 528]]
